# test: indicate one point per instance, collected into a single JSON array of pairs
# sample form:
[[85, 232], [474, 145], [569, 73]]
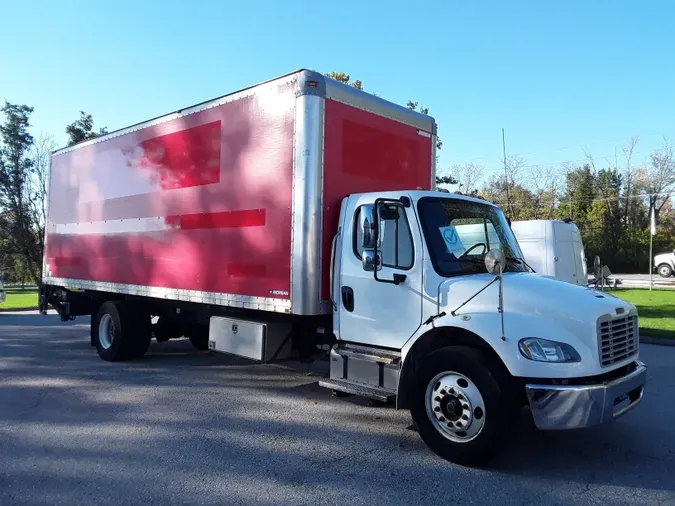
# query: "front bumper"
[[561, 407]]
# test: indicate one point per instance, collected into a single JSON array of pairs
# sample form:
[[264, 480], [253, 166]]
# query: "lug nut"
[[464, 417], [465, 406], [437, 409], [437, 399], [442, 419], [443, 392]]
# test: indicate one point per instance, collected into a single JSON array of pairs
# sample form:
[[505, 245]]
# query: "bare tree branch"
[[467, 177]]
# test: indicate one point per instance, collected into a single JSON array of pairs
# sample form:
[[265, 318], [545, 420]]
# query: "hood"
[[534, 306], [532, 300]]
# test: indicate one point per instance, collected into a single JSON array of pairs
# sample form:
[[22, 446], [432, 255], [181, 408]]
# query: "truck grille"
[[618, 339]]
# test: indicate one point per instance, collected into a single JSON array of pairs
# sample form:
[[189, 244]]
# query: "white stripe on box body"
[[110, 227]]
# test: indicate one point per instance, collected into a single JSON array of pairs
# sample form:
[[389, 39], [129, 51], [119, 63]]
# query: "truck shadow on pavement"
[[181, 425]]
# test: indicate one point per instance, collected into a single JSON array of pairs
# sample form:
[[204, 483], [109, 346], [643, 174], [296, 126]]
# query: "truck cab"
[[456, 328]]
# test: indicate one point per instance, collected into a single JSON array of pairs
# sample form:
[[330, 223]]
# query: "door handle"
[[348, 298]]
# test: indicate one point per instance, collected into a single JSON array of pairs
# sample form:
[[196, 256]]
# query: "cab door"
[[386, 311]]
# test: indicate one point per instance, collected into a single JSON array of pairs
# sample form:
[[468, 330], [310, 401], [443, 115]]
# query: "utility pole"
[[652, 233], [506, 177]]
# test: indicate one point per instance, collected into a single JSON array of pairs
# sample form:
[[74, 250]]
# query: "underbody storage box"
[[258, 340], [232, 202]]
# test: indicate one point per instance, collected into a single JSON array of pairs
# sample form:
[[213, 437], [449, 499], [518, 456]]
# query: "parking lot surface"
[[182, 427]]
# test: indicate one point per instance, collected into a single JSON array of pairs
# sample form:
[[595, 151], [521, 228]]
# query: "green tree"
[[18, 220], [346, 79], [82, 129], [576, 200], [522, 200]]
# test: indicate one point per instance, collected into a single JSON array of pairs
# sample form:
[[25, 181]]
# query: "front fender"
[[487, 327]]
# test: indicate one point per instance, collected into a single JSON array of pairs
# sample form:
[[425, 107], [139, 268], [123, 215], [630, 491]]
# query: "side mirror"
[[495, 261], [370, 262], [368, 227]]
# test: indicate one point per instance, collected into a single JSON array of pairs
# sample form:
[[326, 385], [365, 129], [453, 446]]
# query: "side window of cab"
[[395, 243]]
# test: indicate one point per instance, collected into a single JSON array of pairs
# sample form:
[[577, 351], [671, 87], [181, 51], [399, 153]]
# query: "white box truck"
[[286, 216], [553, 248]]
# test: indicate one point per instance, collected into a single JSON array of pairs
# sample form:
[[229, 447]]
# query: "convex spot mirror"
[[495, 261]]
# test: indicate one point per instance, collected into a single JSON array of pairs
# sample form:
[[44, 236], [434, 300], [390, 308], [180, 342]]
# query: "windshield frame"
[[511, 241]]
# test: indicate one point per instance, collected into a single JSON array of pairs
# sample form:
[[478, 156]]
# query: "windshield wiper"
[[521, 262]]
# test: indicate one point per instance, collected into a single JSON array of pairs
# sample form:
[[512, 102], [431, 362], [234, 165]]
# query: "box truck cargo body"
[[227, 202], [298, 217]]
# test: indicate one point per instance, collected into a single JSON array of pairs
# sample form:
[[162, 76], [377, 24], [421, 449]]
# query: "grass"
[[656, 310], [20, 299]]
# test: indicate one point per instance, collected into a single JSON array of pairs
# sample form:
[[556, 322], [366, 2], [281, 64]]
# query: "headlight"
[[543, 350]]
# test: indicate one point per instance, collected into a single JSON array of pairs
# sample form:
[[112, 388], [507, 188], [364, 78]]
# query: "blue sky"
[[561, 77]]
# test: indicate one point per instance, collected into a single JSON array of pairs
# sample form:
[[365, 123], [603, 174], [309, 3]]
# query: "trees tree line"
[[609, 202], [24, 172]]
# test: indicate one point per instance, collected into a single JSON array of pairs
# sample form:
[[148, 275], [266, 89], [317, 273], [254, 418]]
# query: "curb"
[[658, 341], [17, 309]]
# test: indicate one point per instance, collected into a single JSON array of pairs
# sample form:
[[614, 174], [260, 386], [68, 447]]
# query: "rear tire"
[[143, 336], [199, 337], [118, 333], [665, 270], [458, 405]]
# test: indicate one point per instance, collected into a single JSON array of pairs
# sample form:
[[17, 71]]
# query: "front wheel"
[[665, 270], [458, 405]]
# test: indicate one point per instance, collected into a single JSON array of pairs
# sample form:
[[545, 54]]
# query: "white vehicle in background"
[[665, 264], [553, 248]]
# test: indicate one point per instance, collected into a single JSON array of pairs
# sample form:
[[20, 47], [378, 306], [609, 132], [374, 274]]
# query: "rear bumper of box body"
[[562, 407]]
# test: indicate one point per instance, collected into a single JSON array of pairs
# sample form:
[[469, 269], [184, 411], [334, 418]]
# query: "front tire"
[[665, 270], [458, 405]]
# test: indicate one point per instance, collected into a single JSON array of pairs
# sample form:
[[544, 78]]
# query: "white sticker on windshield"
[[452, 241]]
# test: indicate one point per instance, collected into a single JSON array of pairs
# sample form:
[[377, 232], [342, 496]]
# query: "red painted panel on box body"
[[365, 152]]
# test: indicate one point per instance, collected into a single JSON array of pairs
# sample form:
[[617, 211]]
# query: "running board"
[[361, 370], [369, 354], [378, 394]]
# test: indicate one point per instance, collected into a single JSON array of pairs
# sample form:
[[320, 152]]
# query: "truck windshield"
[[459, 233]]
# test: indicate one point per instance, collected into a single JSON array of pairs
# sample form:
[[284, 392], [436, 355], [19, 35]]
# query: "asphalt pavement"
[[183, 427]]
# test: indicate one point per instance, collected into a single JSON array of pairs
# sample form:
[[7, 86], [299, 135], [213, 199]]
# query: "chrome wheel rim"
[[455, 407], [664, 271], [106, 331]]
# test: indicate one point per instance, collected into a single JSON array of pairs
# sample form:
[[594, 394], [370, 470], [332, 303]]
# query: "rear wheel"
[[199, 337], [665, 270], [143, 336], [458, 405], [119, 333]]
